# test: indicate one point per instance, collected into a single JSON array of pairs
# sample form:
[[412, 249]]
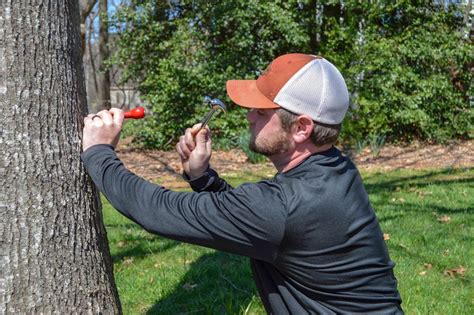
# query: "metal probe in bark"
[[215, 104]]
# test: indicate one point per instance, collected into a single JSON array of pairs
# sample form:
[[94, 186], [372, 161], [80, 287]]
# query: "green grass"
[[427, 215]]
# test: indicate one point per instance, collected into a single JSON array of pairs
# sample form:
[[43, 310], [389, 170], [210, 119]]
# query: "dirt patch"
[[419, 156], [165, 166]]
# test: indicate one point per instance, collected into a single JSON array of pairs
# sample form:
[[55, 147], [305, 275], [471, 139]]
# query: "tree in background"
[[410, 74], [406, 63], [54, 256], [103, 75], [85, 8], [96, 12]]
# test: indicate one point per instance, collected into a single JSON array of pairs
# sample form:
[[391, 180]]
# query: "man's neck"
[[284, 162]]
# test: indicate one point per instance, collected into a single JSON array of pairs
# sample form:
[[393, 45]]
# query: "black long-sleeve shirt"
[[313, 238]]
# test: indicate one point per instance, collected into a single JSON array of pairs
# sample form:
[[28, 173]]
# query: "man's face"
[[266, 134]]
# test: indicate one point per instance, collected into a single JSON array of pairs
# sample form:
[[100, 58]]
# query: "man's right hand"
[[194, 149]]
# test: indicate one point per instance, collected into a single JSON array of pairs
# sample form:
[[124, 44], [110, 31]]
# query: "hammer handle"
[[207, 118]]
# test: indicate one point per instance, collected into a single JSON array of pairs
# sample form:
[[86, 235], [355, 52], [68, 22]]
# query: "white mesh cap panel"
[[317, 90]]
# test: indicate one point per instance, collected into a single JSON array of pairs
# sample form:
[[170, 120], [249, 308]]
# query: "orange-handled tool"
[[135, 113]]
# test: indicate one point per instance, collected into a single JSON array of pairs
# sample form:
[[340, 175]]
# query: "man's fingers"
[[188, 139], [202, 136], [195, 128], [90, 117], [209, 145], [183, 146], [105, 116], [117, 115], [102, 128], [182, 155]]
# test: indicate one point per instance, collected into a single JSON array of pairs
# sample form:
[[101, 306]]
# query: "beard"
[[278, 143]]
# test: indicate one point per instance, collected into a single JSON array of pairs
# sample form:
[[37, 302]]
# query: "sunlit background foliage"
[[406, 63]]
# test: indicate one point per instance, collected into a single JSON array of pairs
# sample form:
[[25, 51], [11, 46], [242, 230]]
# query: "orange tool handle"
[[135, 113]]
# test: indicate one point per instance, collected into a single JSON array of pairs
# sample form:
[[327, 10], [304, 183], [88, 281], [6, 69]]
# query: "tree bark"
[[54, 256], [103, 77]]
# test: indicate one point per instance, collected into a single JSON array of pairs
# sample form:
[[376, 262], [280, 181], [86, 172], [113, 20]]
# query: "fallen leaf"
[[428, 266], [189, 286], [424, 193], [401, 200], [461, 270], [128, 261], [423, 273], [441, 219], [403, 246], [386, 236], [121, 244], [444, 219]]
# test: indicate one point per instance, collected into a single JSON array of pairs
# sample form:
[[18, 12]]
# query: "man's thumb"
[[202, 138]]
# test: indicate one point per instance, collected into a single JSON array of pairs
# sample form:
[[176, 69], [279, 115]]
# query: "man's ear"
[[302, 128]]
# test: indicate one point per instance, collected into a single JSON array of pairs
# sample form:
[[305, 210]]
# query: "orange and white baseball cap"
[[300, 83]]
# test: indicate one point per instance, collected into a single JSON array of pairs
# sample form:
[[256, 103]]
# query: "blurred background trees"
[[408, 64]]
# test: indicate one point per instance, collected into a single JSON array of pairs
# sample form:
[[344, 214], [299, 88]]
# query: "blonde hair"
[[322, 133]]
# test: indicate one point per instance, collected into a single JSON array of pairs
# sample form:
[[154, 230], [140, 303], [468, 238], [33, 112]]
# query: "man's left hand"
[[102, 128]]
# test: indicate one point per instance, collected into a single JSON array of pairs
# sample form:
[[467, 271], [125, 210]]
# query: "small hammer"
[[215, 104]]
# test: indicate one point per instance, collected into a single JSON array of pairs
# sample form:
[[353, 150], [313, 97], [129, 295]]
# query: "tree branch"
[[85, 6]]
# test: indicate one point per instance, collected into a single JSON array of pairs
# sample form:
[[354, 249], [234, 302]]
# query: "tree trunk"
[[54, 256], [103, 77], [468, 18]]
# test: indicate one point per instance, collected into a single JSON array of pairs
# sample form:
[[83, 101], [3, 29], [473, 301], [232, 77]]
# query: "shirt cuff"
[[94, 149], [203, 182]]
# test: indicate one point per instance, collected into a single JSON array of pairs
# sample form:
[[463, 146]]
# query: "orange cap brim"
[[246, 94]]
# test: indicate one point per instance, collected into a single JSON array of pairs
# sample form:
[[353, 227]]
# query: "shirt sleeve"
[[248, 220]]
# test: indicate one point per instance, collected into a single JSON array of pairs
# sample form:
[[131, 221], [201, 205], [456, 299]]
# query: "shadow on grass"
[[377, 185], [217, 283], [140, 251], [141, 246], [409, 209], [418, 181]]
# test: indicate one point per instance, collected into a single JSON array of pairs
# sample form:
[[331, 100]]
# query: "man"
[[313, 238]]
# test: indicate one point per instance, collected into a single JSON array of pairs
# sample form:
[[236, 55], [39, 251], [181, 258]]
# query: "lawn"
[[426, 215]]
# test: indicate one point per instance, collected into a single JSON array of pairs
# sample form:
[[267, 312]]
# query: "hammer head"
[[207, 100], [217, 104]]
